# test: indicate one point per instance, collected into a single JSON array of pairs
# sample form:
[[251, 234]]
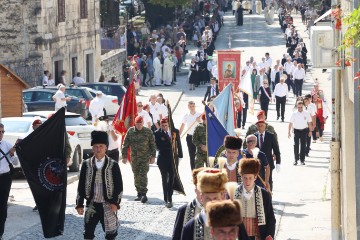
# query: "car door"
[[44, 100], [27, 97]]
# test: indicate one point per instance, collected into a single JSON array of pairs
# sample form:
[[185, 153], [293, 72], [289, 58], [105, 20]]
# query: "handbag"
[[11, 166]]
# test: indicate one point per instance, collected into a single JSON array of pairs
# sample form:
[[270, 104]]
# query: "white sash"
[[266, 93]]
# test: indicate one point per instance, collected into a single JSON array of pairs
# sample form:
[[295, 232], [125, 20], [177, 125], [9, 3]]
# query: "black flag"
[[42, 157], [176, 153]]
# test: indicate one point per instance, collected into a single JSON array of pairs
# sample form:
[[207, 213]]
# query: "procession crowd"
[[234, 189]]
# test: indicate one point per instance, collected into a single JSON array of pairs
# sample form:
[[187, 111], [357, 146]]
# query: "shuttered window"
[[61, 10], [83, 9]]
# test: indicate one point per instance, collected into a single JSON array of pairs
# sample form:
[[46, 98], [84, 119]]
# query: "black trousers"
[[308, 143], [144, 78], [5, 186], [114, 154], [238, 120], [174, 74], [192, 150], [264, 105], [280, 102], [290, 84], [167, 177], [298, 87], [300, 138], [93, 215]]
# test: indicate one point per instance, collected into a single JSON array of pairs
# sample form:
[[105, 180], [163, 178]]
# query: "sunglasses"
[[265, 83], [140, 105], [3, 131], [251, 141]]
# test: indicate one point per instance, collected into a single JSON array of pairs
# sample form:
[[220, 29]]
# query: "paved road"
[[301, 194]]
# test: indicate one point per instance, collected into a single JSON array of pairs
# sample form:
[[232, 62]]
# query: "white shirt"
[[163, 110], [99, 163], [4, 166], [103, 126], [145, 115], [78, 80], [155, 111], [247, 194], [268, 62], [189, 119], [51, 82], [299, 73], [300, 120], [311, 108], [96, 107], [288, 67], [281, 90], [45, 80], [272, 74], [58, 102], [232, 166]]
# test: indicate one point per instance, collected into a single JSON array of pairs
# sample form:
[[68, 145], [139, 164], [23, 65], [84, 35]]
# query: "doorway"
[[89, 67]]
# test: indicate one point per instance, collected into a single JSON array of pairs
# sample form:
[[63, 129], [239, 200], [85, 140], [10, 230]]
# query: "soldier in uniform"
[[189, 210], [143, 151], [199, 140], [224, 218], [100, 183], [211, 185], [258, 213], [253, 128], [165, 160], [232, 151]]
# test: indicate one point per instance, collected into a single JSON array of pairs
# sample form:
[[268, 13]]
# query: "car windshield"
[[75, 121], [16, 126]]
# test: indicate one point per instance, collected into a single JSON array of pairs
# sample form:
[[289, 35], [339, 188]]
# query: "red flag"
[[125, 117]]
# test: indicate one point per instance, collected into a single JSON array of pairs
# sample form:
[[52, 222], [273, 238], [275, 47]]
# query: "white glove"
[[277, 167]]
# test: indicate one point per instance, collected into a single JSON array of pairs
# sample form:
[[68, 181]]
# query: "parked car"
[[111, 102], [113, 89], [20, 127], [75, 125], [79, 92], [40, 99]]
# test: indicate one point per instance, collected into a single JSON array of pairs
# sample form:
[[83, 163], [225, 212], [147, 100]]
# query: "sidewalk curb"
[[177, 102], [72, 179], [281, 213]]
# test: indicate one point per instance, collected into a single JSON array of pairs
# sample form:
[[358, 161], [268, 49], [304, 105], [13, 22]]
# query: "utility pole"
[[335, 146]]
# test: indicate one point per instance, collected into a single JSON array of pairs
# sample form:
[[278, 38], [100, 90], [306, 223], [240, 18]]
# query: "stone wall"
[[112, 63]]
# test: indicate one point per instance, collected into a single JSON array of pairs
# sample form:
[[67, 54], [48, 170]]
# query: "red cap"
[[203, 116], [129, 57], [139, 119], [261, 112], [260, 121], [135, 56], [37, 122], [145, 106], [164, 120]]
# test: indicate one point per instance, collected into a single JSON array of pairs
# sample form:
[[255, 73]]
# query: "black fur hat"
[[99, 137], [231, 142]]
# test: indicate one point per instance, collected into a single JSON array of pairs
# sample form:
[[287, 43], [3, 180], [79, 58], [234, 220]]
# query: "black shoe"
[[144, 199], [295, 163], [138, 198], [169, 205], [282, 120], [278, 118], [35, 209], [302, 163], [307, 154]]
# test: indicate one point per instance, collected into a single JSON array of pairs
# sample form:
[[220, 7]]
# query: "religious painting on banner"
[[229, 68]]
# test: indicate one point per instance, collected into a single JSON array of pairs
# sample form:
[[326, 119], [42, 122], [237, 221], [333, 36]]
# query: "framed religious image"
[[229, 68]]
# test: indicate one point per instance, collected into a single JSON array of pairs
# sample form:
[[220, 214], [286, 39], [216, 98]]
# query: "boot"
[[138, 198], [144, 199]]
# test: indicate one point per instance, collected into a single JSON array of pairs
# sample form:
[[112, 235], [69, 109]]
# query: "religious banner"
[[229, 68]]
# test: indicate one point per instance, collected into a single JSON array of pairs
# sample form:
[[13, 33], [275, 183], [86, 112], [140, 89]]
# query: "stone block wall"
[[112, 63]]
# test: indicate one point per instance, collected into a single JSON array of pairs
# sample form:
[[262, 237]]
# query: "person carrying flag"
[[143, 151], [199, 140], [100, 183]]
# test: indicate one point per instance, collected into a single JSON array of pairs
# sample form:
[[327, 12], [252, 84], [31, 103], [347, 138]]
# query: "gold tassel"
[[211, 161], [221, 162], [237, 131], [230, 188]]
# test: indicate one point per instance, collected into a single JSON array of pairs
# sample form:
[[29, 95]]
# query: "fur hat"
[[231, 142], [211, 180], [195, 173], [249, 166], [99, 137], [223, 213]]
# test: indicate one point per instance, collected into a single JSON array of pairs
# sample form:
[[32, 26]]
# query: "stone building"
[[56, 35]]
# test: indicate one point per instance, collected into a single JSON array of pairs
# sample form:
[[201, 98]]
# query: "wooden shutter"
[[61, 10], [83, 9]]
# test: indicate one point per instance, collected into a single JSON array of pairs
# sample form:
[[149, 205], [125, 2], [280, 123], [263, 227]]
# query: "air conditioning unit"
[[323, 49]]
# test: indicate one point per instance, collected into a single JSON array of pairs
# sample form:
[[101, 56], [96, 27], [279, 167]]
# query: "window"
[[61, 10], [27, 96], [43, 96], [83, 9]]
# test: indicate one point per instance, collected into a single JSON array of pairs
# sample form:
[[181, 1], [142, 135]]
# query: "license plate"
[[84, 135]]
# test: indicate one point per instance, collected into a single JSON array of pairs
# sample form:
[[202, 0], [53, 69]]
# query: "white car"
[[75, 125], [20, 127], [111, 102]]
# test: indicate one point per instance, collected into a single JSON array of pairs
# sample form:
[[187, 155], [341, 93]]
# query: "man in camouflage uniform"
[[143, 151], [199, 140], [253, 128]]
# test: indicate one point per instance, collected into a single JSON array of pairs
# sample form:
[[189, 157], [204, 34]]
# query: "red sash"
[[319, 112]]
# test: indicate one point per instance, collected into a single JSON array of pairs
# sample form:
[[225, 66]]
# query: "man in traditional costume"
[[258, 214], [211, 185], [189, 210], [100, 183]]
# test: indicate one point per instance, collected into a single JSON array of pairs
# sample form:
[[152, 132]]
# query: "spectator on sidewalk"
[[45, 79], [78, 79]]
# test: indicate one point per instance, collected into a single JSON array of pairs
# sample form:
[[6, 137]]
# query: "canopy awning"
[[323, 16]]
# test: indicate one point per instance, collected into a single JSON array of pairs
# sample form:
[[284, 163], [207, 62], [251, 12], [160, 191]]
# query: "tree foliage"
[[352, 34]]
